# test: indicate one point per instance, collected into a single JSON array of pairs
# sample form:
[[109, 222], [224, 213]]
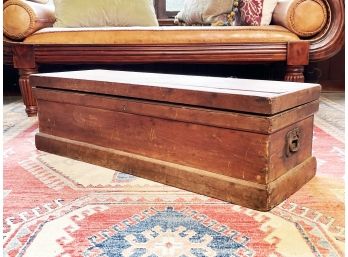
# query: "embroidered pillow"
[[104, 13], [256, 12], [206, 12]]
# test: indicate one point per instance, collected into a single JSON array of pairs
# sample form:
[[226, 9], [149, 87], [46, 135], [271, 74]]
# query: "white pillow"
[[203, 11], [267, 11]]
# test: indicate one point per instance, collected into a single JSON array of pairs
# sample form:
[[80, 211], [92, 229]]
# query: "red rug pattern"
[[54, 206]]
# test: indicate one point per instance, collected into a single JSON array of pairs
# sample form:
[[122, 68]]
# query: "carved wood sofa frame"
[[27, 58]]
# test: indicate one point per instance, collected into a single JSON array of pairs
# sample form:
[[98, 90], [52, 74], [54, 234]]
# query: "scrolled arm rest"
[[303, 17], [22, 17]]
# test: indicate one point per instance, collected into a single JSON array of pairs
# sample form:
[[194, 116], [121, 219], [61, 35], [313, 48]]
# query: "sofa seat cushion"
[[161, 35]]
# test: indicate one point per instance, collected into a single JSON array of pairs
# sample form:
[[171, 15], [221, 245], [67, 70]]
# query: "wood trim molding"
[[193, 53], [24, 56], [7, 54], [331, 40]]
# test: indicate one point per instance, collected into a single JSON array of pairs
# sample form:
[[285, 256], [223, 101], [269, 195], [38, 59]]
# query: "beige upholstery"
[[303, 17], [22, 18], [161, 35]]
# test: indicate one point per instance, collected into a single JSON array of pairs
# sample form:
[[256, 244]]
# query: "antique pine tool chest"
[[247, 142]]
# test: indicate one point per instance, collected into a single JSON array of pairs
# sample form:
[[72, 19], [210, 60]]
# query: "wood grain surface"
[[178, 112], [219, 150], [241, 154], [255, 96], [238, 191], [188, 129]]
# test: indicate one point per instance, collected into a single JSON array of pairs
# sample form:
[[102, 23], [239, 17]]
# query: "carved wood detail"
[[330, 41], [294, 73], [297, 53], [186, 53], [24, 60], [27, 91]]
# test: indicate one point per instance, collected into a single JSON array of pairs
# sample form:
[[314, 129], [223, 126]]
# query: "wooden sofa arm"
[[331, 39], [22, 17]]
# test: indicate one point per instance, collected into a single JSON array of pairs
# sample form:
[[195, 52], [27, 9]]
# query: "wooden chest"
[[243, 141]]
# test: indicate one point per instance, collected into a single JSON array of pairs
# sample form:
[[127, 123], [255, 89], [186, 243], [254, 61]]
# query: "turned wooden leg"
[[294, 73], [297, 58], [24, 61], [27, 91]]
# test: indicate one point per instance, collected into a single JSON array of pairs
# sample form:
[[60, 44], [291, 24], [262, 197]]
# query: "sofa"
[[301, 31]]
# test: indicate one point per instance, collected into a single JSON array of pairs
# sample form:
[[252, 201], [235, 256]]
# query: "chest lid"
[[243, 95]]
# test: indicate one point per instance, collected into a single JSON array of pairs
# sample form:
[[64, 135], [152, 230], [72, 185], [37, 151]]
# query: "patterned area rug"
[[54, 206]]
